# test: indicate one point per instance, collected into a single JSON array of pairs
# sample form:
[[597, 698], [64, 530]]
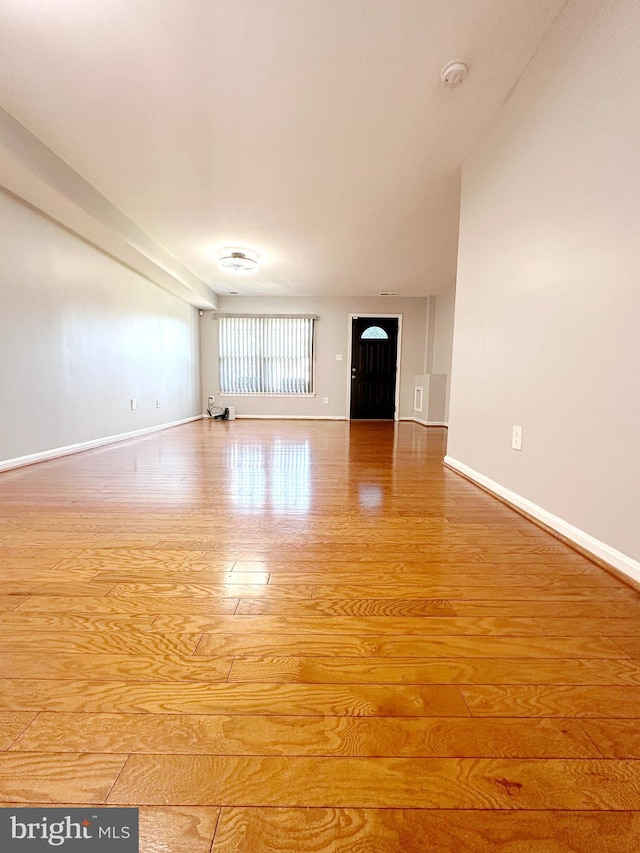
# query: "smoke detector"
[[453, 73]]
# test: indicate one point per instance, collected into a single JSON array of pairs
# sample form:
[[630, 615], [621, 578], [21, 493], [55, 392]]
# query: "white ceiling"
[[315, 132]]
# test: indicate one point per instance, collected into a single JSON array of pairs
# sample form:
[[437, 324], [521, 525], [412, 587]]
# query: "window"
[[266, 355], [374, 333]]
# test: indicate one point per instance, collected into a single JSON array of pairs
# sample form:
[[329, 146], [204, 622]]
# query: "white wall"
[[80, 334], [332, 335], [547, 331], [443, 338]]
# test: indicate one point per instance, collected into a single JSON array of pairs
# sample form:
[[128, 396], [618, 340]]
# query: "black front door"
[[374, 350]]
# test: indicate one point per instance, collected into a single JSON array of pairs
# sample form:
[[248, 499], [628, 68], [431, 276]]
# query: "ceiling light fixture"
[[237, 260]]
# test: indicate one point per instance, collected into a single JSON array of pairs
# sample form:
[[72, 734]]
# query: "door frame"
[[355, 315]]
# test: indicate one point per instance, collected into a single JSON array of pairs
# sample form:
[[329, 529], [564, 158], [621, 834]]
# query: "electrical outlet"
[[212, 399], [325, 401], [339, 357], [133, 403], [157, 404], [516, 438]]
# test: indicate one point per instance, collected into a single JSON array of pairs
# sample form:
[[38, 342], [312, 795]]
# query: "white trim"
[[619, 561], [56, 452], [427, 423], [352, 317], [292, 417]]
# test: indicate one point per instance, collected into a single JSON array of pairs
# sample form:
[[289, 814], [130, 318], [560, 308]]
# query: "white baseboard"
[[584, 541], [325, 418], [292, 417], [426, 423], [56, 452]]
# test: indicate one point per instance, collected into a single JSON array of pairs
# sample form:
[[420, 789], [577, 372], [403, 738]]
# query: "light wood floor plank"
[[35, 574], [604, 627], [126, 641], [286, 735], [118, 606], [103, 666], [18, 621], [614, 738], [47, 778], [128, 559], [497, 591], [213, 698], [346, 607], [343, 645], [452, 783], [553, 701], [75, 587], [11, 725], [441, 585], [229, 588], [17, 558], [375, 670], [330, 566], [163, 580], [551, 609], [331, 830], [179, 829], [171, 829], [630, 645], [302, 624], [10, 602]]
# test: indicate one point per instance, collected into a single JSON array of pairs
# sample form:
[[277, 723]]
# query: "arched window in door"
[[374, 333]]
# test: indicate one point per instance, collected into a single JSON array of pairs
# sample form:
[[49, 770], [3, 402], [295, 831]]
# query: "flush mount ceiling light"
[[237, 260]]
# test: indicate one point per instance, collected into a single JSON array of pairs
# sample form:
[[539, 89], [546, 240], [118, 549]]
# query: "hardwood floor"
[[311, 637]]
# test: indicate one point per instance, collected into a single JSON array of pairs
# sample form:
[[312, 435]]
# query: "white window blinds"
[[266, 355]]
